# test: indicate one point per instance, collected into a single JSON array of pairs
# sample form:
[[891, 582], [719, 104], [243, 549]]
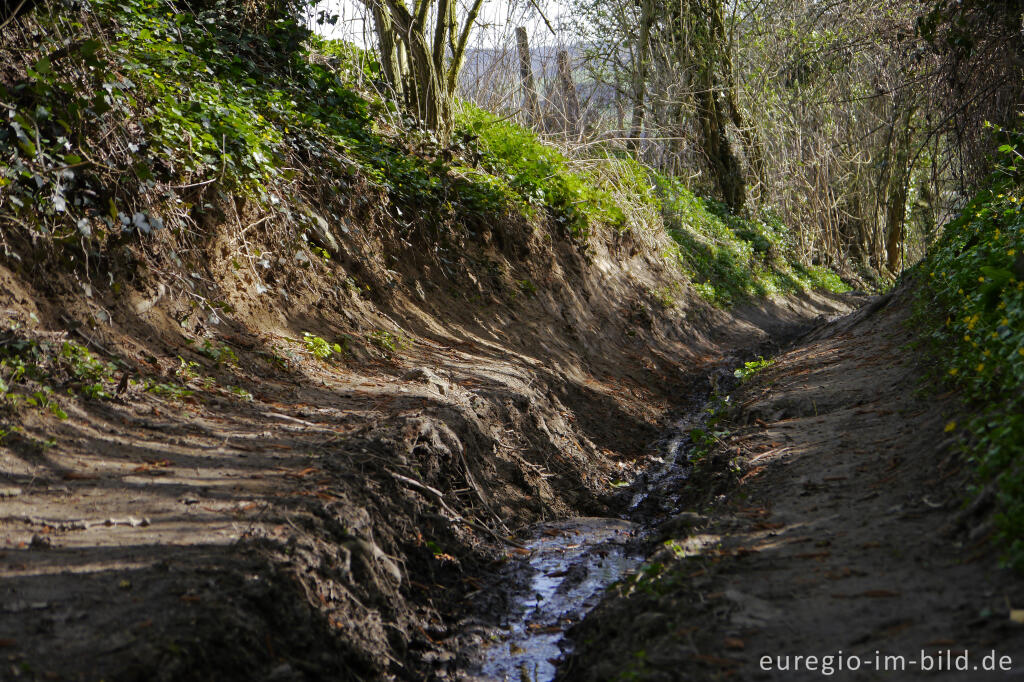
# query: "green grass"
[[538, 174], [728, 258], [731, 258], [972, 301], [98, 140]]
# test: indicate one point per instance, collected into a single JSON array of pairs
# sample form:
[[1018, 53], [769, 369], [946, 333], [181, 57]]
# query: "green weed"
[[318, 347], [387, 342], [26, 372], [168, 390], [665, 296], [240, 393], [94, 375], [972, 303], [704, 439], [749, 369], [222, 354]]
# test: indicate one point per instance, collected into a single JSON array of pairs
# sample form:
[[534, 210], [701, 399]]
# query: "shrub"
[[975, 276]]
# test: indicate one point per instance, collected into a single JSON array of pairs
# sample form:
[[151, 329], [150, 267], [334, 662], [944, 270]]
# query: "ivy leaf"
[[43, 66]]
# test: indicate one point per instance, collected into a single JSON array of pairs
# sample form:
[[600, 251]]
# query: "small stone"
[[40, 542], [421, 374]]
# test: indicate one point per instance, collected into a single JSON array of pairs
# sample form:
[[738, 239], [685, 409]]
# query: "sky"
[[495, 25]]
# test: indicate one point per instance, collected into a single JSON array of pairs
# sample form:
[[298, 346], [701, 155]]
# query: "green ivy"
[[202, 98], [975, 276]]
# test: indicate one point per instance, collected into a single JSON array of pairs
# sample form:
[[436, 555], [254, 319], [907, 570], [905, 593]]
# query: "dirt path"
[[830, 525]]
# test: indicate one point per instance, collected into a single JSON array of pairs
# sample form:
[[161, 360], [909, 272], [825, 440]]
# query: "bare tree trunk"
[[701, 47], [531, 105], [570, 99], [725, 167], [640, 72], [896, 196], [421, 64], [620, 112], [391, 61]]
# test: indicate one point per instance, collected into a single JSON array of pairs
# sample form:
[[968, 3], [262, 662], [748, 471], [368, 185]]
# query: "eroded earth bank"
[[447, 491], [316, 478]]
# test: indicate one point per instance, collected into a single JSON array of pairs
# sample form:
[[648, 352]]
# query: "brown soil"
[[331, 527], [842, 530]]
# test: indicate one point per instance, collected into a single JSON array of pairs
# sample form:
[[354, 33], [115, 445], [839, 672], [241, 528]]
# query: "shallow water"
[[573, 561]]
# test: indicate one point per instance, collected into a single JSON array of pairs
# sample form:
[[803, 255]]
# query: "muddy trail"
[[344, 523], [571, 486], [824, 533], [489, 500]]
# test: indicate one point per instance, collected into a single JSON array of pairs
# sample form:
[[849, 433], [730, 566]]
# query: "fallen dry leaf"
[[544, 629], [766, 525], [875, 594]]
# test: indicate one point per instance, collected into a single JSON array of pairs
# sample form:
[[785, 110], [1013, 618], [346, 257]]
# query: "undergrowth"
[[975, 276], [727, 257], [135, 117], [732, 258], [42, 374], [538, 173], [110, 136]]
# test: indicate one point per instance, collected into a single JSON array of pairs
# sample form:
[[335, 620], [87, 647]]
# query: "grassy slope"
[[113, 140], [973, 303], [729, 258], [158, 100]]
